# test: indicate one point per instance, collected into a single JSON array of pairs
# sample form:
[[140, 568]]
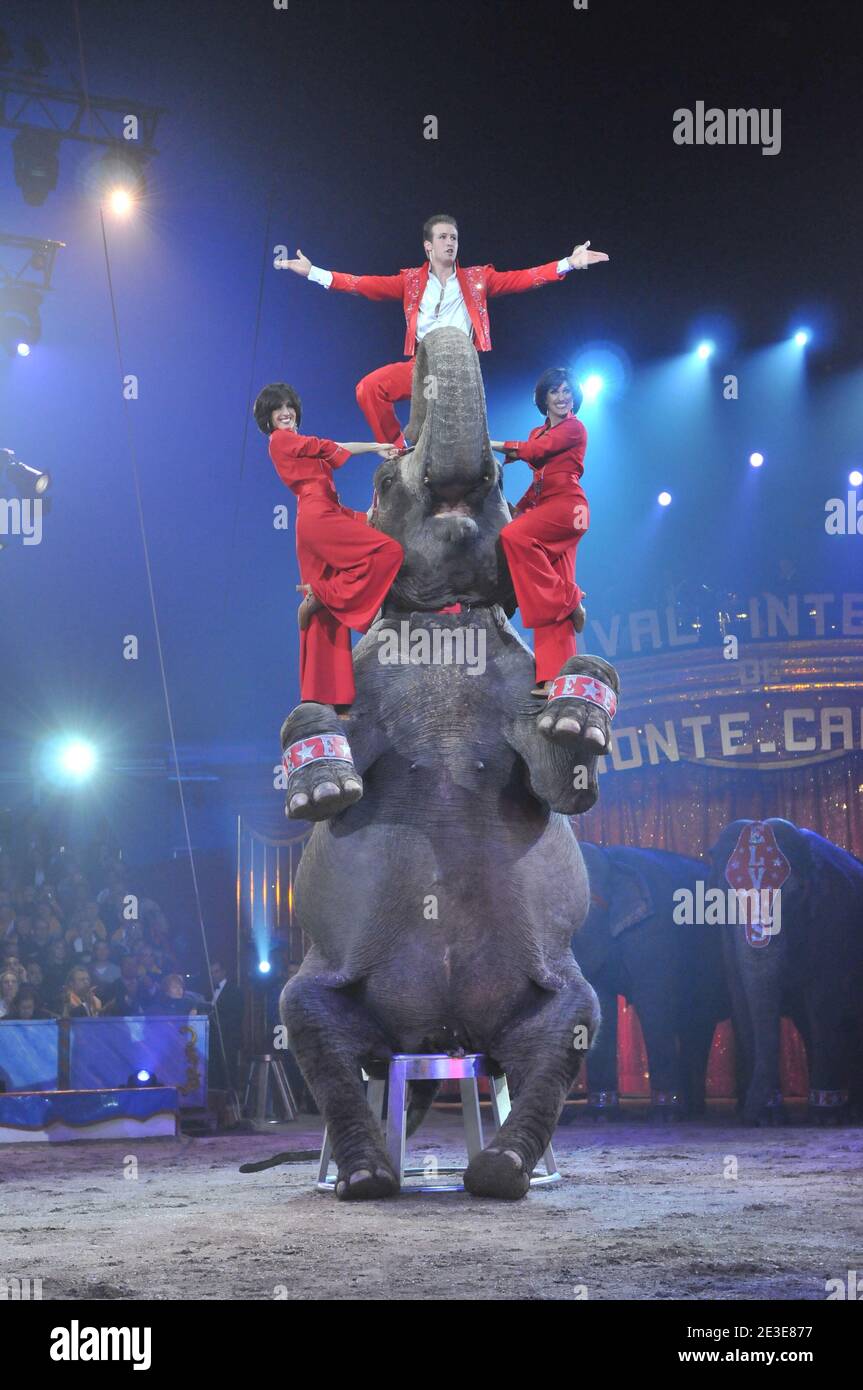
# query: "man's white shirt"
[[442, 306]]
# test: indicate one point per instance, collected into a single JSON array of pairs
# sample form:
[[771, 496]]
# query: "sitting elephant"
[[670, 971], [804, 961], [443, 881]]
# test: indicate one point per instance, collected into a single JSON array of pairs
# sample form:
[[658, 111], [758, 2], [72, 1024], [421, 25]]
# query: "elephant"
[[442, 881], [802, 957], [671, 972]]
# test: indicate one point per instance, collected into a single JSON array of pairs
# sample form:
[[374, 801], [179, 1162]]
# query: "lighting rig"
[[44, 115], [26, 267]]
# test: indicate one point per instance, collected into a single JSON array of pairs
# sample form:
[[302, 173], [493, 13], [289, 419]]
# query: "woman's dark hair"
[[549, 381], [276, 394]]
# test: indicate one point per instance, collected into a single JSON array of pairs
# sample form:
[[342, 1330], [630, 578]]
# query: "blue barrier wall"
[[97, 1053], [29, 1054]]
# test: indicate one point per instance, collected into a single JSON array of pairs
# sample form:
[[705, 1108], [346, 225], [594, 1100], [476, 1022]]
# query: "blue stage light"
[[602, 368], [142, 1078], [855, 477], [591, 387], [802, 336], [23, 349], [264, 967], [664, 499], [756, 460], [76, 759], [705, 350]]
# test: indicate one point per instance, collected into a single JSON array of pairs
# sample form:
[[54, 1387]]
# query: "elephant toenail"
[[516, 1158], [545, 722], [570, 725], [325, 790], [352, 785], [594, 735], [299, 800], [360, 1175]]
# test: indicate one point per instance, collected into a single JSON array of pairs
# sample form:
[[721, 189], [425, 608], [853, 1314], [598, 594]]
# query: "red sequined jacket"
[[477, 283]]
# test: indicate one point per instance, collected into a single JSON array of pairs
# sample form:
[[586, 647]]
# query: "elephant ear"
[[630, 900]]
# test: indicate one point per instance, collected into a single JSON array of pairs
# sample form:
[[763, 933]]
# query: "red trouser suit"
[[349, 565], [541, 542], [378, 392]]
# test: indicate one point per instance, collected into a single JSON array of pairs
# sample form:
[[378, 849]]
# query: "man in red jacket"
[[433, 295]]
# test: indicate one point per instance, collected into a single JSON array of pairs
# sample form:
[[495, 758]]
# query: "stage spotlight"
[[23, 349], [264, 967], [664, 499], [120, 201], [705, 350], [855, 477], [756, 460], [802, 337], [602, 368], [76, 759], [591, 387], [37, 163], [120, 175], [28, 482], [142, 1077]]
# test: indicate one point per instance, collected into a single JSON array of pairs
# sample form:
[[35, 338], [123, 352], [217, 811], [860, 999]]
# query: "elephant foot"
[[603, 1106], [766, 1114], [827, 1107], [366, 1184], [497, 1173], [322, 779], [665, 1108], [324, 798], [580, 706]]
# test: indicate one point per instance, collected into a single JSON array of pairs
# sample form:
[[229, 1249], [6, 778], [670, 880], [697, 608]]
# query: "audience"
[[78, 940]]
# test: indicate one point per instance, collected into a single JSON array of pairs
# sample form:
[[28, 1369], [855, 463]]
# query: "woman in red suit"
[[550, 519], [346, 566]]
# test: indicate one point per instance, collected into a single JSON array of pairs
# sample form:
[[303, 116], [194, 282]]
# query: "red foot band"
[[587, 688], [314, 749]]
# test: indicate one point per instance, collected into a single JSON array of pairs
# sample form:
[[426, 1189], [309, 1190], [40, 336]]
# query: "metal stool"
[[268, 1079], [435, 1066]]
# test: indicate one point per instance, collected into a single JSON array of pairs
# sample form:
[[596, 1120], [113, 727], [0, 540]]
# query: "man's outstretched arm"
[[516, 281], [370, 286]]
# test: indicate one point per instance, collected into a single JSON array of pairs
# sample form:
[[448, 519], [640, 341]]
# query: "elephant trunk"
[[760, 971], [448, 424]]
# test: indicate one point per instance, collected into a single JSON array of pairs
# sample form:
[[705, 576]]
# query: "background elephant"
[[671, 972], [810, 970]]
